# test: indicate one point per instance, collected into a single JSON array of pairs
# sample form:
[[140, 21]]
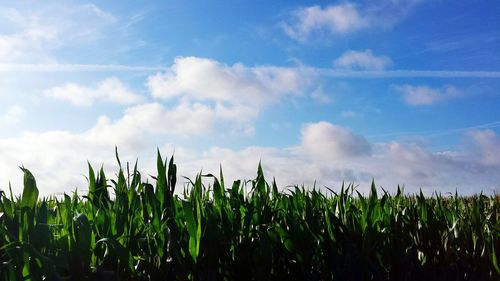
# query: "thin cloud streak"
[[434, 133], [404, 73], [325, 72], [15, 67]]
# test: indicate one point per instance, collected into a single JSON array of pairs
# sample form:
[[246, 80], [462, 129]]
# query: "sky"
[[321, 92]]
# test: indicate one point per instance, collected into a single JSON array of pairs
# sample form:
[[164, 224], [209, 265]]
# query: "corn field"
[[132, 228]]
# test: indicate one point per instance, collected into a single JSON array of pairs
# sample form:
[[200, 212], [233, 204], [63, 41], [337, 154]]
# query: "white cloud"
[[425, 95], [345, 18], [184, 119], [362, 60], [342, 18], [204, 97], [333, 143], [320, 96], [487, 147], [49, 155], [109, 90], [204, 79], [411, 161], [13, 115], [206, 92], [58, 167], [327, 153]]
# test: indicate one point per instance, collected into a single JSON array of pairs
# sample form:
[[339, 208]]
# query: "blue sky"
[[403, 92]]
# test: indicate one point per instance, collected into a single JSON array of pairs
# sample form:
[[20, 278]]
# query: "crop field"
[[136, 228]]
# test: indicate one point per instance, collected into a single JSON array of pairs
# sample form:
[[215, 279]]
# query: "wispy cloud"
[[35, 34], [437, 133], [320, 96], [344, 18], [26, 38], [303, 70], [341, 18], [57, 67], [403, 73], [425, 95], [349, 114], [362, 60]]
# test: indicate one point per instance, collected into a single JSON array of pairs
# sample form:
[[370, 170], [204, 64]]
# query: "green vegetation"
[[219, 232]]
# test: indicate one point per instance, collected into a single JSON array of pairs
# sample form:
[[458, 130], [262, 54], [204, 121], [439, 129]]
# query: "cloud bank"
[[326, 154]]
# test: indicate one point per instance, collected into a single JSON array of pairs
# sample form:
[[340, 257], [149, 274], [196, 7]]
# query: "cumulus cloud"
[[345, 18], [109, 90], [362, 60], [330, 142], [205, 92], [203, 79], [425, 95]]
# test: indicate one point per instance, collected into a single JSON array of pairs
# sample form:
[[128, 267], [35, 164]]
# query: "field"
[[135, 228]]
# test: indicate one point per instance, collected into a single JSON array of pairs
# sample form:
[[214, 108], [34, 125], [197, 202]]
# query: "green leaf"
[[494, 260], [30, 191], [83, 237]]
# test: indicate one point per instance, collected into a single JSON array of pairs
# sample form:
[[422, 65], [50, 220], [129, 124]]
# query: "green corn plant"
[[129, 227]]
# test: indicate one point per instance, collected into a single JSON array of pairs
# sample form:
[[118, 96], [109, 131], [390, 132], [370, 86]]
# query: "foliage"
[[148, 232]]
